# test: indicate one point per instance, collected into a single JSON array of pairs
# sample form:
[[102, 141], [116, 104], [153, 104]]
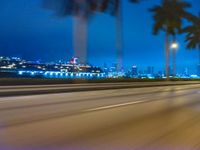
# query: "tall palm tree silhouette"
[[81, 10], [193, 35], [168, 18], [115, 8]]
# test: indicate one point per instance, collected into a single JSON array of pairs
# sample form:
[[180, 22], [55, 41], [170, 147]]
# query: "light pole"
[[174, 47]]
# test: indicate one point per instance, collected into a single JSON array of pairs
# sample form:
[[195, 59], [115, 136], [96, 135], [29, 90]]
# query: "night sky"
[[31, 32]]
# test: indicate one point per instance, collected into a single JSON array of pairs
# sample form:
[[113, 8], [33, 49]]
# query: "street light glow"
[[174, 45]]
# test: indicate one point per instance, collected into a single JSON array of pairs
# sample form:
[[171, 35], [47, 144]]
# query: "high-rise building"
[[186, 72], [134, 71], [105, 69], [150, 70], [113, 68]]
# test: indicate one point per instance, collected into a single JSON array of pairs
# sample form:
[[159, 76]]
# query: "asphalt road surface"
[[145, 118]]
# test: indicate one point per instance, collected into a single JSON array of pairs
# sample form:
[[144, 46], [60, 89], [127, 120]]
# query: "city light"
[[73, 71], [174, 45]]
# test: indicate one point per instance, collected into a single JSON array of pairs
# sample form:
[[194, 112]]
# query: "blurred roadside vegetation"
[[39, 81]]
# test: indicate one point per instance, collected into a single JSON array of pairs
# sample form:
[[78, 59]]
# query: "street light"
[[174, 47]]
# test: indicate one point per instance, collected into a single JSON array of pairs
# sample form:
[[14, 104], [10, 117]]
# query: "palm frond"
[[169, 15]]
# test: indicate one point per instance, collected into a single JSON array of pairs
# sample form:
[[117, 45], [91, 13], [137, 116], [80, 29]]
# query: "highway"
[[64, 88], [129, 116]]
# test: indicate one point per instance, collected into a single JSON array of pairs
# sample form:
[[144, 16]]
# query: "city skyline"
[[20, 65], [31, 32]]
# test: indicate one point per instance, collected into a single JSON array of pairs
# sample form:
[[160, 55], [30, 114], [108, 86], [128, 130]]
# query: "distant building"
[[198, 70], [72, 69], [134, 71], [186, 72], [150, 70], [105, 69], [74, 61]]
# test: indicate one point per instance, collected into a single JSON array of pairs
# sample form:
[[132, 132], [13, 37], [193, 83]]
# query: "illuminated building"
[[72, 69], [150, 70], [134, 71]]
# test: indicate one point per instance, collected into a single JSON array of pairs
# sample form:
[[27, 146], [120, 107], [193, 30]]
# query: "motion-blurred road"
[[124, 118]]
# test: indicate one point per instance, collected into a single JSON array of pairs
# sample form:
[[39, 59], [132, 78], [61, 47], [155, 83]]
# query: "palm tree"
[[115, 8], [81, 10], [193, 35], [168, 18]]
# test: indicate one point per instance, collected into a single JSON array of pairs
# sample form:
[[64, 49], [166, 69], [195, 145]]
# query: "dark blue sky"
[[30, 32]]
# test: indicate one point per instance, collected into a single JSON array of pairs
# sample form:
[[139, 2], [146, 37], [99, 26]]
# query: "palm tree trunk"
[[167, 55], [119, 36], [174, 63], [80, 38], [198, 67], [199, 55]]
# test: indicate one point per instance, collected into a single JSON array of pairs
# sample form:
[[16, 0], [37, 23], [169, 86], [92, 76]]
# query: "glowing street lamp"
[[174, 47]]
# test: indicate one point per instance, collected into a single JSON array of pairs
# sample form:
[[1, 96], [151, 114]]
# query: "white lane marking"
[[116, 105]]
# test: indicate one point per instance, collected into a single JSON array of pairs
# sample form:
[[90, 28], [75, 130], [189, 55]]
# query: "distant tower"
[[105, 69], [186, 72], [134, 71], [150, 70]]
